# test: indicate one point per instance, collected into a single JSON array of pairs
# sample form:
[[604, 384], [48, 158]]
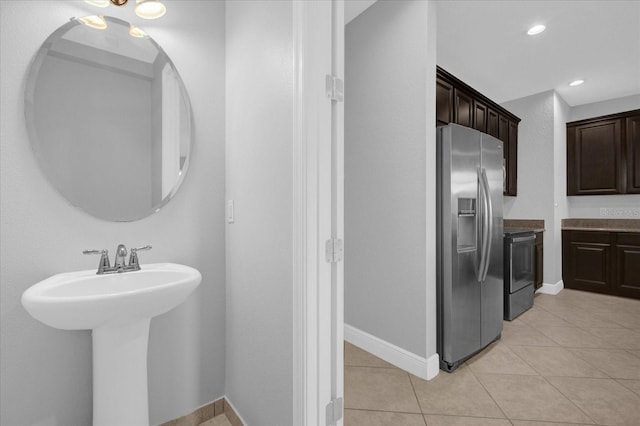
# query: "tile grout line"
[[525, 361], [561, 393], [489, 393], [568, 399], [415, 395]]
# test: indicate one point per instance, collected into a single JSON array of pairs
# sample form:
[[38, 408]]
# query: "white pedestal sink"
[[118, 309]]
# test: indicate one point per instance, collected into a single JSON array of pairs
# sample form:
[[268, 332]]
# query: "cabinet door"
[[463, 111], [503, 135], [633, 154], [586, 261], [512, 160], [444, 102], [479, 116], [627, 255], [492, 123], [593, 158], [539, 256]]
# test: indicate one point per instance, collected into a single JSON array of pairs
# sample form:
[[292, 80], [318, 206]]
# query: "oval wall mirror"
[[109, 118]]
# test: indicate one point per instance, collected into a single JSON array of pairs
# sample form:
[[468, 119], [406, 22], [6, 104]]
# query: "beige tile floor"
[[573, 359], [220, 420]]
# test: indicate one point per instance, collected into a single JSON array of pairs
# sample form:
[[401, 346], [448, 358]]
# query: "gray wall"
[[542, 170], [45, 374], [561, 206], [259, 161], [75, 142], [536, 171], [388, 207]]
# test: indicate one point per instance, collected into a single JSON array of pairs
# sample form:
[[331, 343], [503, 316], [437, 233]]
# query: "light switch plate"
[[230, 211]]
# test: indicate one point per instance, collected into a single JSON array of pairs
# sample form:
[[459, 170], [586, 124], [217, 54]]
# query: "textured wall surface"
[[259, 164], [45, 376], [542, 170], [535, 198], [387, 180]]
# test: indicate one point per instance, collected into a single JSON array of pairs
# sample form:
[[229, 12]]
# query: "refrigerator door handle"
[[484, 224], [488, 239]]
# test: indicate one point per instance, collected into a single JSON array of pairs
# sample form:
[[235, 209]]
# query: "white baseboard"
[[425, 368], [551, 288]]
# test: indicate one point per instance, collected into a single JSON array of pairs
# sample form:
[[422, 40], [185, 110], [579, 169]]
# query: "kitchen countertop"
[[611, 225], [534, 225]]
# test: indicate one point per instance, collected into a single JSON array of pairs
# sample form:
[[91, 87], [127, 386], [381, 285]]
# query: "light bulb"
[[94, 21], [576, 82], [98, 3], [150, 9], [136, 32]]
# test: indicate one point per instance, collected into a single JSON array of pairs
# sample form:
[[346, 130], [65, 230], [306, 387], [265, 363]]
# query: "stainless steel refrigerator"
[[469, 242]]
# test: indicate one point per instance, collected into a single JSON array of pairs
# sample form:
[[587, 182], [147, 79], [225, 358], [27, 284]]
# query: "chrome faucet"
[[104, 267], [121, 253]]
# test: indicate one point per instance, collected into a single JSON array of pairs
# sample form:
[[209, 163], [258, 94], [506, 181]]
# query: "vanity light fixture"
[[536, 29], [98, 3], [94, 21], [150, 9], [136, 32], [576, 83], [146, 9]]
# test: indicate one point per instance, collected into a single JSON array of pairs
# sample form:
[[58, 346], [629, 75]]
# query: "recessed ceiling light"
[[537, 29], [576, 83]]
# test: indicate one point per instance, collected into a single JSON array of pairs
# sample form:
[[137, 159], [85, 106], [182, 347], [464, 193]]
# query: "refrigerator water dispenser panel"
[[466, 224]]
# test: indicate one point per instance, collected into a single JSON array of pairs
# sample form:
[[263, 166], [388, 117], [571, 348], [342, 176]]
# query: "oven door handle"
[[523, 239]]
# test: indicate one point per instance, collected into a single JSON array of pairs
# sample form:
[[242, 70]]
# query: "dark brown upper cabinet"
[[633, 153], [463, 108], [457, 102], [444, 102], [480, 111], [603, 155]]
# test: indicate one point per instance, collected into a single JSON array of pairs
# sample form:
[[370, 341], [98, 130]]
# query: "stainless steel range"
[[519, 271]]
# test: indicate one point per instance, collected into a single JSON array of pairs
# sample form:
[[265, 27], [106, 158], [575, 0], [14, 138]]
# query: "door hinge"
[[334, 411], [335, 88], [334, 250]]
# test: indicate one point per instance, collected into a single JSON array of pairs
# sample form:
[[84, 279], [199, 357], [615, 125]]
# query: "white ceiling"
[[484, 43]]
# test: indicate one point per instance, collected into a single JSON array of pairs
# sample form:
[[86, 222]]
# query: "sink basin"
[[118, 309], [83, 300]]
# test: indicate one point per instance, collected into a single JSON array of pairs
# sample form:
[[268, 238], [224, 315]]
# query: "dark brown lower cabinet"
[[539, 256], [602, 262], [627, 256]]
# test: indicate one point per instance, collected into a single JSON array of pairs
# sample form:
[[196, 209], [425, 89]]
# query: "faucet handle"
[[133, 258], [104, 259], [103, 251]]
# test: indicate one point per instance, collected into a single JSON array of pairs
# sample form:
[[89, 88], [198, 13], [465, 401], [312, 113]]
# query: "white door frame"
[[318, 38]]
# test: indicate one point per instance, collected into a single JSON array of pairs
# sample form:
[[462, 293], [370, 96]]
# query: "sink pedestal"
[[118, 309], [120, 395]]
